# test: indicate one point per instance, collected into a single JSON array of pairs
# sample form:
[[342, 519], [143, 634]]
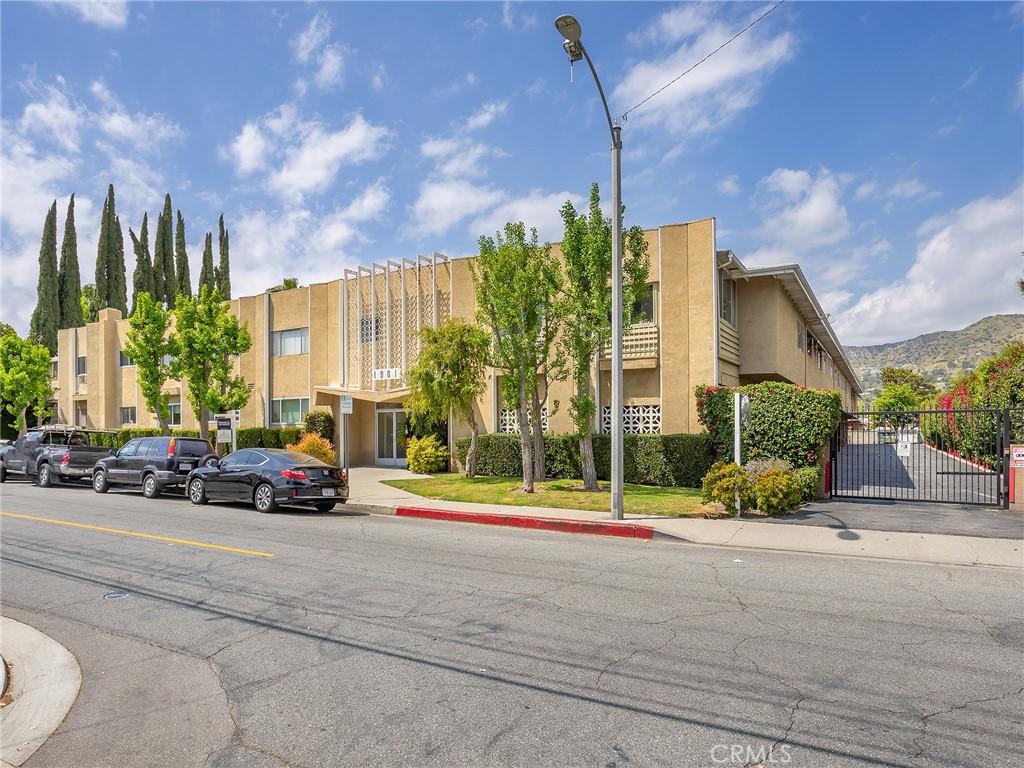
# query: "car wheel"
[[44, 478], [3, 473], [324, 506], [150, 487], [197, 491], [99, 481], [263, 498]]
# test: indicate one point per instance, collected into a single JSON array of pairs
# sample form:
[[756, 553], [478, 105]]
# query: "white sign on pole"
[[346, 404], [903, 448], [224, 430]]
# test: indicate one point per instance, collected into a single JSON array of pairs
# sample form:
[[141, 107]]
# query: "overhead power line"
[[688, 71]]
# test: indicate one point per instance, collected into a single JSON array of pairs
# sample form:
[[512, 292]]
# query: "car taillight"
[[293, 474], [344, 476], [66, 459], [170, 448]]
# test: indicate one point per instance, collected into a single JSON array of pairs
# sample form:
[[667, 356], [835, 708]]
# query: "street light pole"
[[573, 45]]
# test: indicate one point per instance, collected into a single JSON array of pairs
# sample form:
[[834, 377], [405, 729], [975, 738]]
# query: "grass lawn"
[[566, 494]]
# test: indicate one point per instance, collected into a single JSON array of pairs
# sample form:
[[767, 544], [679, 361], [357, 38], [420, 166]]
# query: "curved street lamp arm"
[[616, 141]]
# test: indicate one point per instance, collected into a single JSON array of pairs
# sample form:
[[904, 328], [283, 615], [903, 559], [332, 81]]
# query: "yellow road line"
[[136, 534]]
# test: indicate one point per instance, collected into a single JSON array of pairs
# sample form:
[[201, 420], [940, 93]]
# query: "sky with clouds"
[[878, 145]]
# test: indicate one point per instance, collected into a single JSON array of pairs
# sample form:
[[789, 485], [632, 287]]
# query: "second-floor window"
[[174, 419], [291, 342], [128, 414], [81, 365], [53, 368], [643, 308], [124, 359], [726, 297], [288, 410]]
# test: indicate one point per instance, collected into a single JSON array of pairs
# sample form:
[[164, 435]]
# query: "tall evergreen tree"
[[111, 283], [224, 267], [46, 317], [70, 288], [156, 279], [102, 268], [163, 253], [119, 272], [183, 275], [142, 279], [207, 275]]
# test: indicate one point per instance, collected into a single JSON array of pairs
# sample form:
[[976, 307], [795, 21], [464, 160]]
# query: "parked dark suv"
[[152, 463]]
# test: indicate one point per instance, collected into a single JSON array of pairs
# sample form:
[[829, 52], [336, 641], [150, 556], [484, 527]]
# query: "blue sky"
[[878, 145]]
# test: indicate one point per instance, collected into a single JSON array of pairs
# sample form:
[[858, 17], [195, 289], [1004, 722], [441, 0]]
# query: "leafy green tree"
[[70, 289], [895, 400], [46, 316], [142, 278], [165, 281], [449, 376], [223, 272], [24, 378], [286, 284], [183, 275], [6, 329], [149, 345], [207, 336], [90, 304], [111, 283], [918, 383], [587, 305], [516, 282], [207, 275]]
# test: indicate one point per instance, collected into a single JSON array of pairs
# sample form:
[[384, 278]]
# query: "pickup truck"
[[53, 453]]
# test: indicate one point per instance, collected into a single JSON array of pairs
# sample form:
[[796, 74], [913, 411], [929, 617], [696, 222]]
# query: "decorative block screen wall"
[[508, 420], [636, 419]]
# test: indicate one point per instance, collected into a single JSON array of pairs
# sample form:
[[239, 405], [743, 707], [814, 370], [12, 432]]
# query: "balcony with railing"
[[640, 342]]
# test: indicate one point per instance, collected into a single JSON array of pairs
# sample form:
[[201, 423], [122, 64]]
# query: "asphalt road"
[[377, 641]]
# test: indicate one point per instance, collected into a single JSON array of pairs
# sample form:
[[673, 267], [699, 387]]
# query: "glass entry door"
[[391, 435]]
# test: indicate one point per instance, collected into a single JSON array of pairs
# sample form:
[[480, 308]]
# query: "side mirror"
[[215, 462]]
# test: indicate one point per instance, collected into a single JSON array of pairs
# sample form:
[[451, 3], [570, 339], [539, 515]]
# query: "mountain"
[[940, 355]]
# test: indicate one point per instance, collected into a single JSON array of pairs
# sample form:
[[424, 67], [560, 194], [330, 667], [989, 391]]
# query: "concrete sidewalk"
[[369, 492]]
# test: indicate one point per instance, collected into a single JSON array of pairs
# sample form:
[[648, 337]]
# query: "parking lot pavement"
[[339, 639]]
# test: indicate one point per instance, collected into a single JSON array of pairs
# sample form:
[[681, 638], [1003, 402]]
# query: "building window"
[[81, 365], [288, 410], [643, 308], [799, 335], [125, 360], [53, 368], [291, 342], [370, 328], [128, 414], [726, 297], [81, 414], [174, 417]]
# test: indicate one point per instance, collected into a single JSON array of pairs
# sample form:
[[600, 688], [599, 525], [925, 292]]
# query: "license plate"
[[328, 491], [186, 465]]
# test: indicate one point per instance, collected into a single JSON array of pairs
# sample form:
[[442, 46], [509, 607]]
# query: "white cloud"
[[371, 203], [316, 33], [729, 186], [966, 266], [380, 78], [106, 15], [801, 212], [486, 115], [535, 209], [143, 132], [511, 20], [249, 149], [56, 117], [718, 90], [442, 203], [332, 67]]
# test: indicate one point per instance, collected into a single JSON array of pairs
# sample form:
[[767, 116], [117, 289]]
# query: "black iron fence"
[[956, 456]]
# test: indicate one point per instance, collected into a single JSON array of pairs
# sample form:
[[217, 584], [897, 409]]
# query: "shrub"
[[315, 446], [786, 422], [808, 477], [777, 492], [267, 437], [723, 482], [497, 454], [758, 467], [426, 455], [320, 422]]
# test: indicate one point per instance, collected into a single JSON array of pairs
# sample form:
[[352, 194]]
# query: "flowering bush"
[[723, 482], [777, 492], [313, 445], [426, 455]]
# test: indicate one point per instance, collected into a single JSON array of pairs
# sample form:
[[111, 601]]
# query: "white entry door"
[[391, 436]]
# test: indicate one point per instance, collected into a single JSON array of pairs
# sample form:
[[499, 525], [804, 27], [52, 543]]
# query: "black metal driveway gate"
[[957, 456]]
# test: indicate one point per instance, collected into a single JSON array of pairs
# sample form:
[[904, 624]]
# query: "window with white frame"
[[174, 417], [726, 297], [799, 335], [288, 410], [294, 341], [81, 365], [124, 359], [128, 414], [53, 368]]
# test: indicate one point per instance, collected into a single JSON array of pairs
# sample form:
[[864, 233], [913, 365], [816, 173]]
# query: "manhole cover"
[[115, 595]]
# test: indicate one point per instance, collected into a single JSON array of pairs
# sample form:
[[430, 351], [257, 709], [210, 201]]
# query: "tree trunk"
[[587, 458], [537, 428], [474, 432], [24, 421], [204, 422], [524, 438]]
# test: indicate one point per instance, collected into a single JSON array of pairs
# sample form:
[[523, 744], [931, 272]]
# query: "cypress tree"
[[224, 267], [183, 275], [70, 288], [102, 251], [111, 282], [46, 317], [119, 272], [156, 278], [142, 279], [164, 254], [207, 276]]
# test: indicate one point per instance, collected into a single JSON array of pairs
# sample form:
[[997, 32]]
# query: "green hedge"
[[122, 436], [786, 421], [273, 437], [665, 460]]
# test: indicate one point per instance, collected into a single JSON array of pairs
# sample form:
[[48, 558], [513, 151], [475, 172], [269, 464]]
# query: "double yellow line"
[[138, 535]]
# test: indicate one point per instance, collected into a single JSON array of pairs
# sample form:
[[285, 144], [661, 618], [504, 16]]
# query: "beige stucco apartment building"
[[707, 319]]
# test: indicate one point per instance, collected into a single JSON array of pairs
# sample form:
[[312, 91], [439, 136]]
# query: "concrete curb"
[[44, 686], [562, 525]]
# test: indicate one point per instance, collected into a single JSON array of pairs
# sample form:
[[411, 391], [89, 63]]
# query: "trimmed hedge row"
[[122, 436], [272, 437], [666, 460]]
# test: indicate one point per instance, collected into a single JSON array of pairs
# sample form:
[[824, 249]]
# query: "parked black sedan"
[[269, 477]]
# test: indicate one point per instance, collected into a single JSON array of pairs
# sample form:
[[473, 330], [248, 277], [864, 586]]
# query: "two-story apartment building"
[[706, 319]]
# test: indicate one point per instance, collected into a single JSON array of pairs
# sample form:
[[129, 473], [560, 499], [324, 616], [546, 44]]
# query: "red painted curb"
[[623, 530]]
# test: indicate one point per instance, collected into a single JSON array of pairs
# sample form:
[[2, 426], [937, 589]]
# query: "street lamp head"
[[575, 50], [569, 28]]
